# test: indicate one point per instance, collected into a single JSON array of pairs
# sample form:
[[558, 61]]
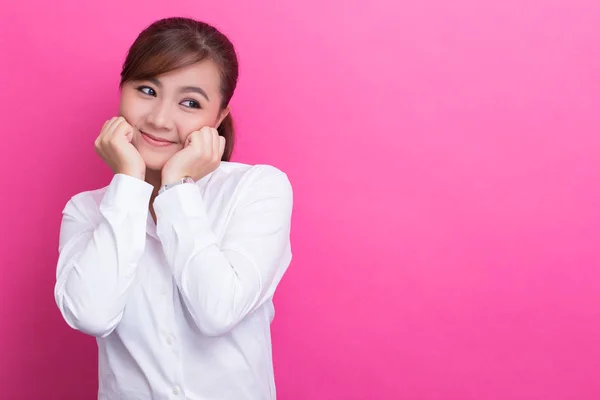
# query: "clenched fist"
[[114, 146], [200, 156]]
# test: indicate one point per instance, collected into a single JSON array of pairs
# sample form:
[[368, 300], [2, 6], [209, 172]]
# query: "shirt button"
[[176, 390], [170, 340]]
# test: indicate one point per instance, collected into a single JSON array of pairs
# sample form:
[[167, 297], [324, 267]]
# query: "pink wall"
[[444, 156]]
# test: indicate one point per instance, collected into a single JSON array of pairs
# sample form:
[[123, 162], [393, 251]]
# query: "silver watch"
[[186, 179]]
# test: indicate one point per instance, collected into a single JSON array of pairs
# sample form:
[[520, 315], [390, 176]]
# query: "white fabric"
[[181, 309]]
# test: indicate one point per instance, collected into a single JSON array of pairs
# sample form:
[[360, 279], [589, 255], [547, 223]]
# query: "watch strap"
[[186, 179]]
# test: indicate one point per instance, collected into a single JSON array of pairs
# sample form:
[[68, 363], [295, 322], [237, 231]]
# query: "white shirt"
[[181, 309]]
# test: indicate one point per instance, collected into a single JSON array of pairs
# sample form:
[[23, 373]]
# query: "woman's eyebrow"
[[185, 89], [194, 89]]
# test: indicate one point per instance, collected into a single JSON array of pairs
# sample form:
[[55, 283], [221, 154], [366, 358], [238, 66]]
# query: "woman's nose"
[[160, 116]]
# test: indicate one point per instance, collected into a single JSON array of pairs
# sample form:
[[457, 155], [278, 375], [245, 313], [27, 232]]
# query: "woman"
[[173, 265]]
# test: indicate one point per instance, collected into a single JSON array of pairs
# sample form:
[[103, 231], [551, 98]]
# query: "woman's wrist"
[[170, 178]]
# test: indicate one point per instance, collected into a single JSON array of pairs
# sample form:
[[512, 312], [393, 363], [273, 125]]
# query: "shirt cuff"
[[127, 193], [181, 201], [183, 206]]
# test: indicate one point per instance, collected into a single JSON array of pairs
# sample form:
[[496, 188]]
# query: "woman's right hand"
[[114, 146]]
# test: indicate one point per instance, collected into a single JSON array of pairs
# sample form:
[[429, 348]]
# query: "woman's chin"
[[155, 163]]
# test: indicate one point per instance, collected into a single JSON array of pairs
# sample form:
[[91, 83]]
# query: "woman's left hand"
[[199, 157]]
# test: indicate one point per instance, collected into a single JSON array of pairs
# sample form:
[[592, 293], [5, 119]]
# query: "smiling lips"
[[155, 141]]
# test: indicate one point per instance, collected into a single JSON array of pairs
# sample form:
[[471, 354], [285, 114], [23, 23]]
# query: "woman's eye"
[[147, 90], [191, 103]]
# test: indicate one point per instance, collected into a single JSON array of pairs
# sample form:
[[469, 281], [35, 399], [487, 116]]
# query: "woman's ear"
[[222, 116]]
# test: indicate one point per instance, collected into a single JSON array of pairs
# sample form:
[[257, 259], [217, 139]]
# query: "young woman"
[[173, 265]]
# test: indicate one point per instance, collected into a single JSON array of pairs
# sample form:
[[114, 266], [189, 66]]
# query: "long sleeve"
[[99, 249], [221, 283]]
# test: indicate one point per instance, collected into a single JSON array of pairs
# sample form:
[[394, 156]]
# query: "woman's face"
[[164, 110]]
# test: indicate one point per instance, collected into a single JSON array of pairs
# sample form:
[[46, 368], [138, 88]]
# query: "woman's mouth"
[[155, 140]]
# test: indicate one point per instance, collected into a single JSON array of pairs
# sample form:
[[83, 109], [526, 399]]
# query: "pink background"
[[444, 156]]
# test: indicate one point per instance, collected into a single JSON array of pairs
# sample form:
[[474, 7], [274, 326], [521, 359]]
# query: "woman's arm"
[[99, 249], [221, 284]]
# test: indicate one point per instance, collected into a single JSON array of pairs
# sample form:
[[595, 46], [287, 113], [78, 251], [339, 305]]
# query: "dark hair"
[[172, 43]]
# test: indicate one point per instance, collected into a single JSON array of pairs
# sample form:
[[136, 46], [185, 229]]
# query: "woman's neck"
[[153, 177]]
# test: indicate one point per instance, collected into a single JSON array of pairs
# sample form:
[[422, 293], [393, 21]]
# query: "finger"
[[117, 122], [124, 129], [216, 144], [111, 132], [222, 143], [192, 137], [104, 130], [106, 123], [207, 140], [112, 123]]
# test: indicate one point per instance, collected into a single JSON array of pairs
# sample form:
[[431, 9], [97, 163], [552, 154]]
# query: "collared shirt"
[[181, 309]]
